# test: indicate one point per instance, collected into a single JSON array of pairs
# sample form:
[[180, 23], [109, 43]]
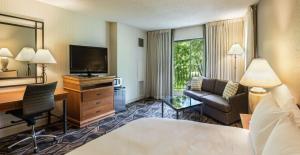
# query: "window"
[[188, 62]]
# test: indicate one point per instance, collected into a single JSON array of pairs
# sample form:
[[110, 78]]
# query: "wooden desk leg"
[[65, 116]]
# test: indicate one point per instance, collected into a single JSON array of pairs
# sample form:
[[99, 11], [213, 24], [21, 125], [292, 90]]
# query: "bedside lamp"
[[43, 57], [26, 55], [235, 50], [4, 54], [259, 75]]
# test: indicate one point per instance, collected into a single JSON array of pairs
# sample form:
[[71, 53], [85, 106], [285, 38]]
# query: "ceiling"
[[158, 14]]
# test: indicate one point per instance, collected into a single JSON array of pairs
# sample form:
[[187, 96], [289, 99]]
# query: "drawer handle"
[[98, 94], [98, 111], [98, 102]]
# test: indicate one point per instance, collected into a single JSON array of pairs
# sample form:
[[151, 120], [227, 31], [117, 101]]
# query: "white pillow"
[[282, 95], [196, 83], [294, 111], [284, 139], [230, 89], [286, 101], [263, 120]]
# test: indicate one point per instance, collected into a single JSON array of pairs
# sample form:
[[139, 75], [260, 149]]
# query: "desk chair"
[[38, 99]]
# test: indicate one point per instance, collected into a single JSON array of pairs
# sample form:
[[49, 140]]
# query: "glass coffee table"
[[180, 103]]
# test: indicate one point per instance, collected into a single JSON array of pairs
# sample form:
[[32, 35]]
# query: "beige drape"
[[158, 75], [249, 36], [220, 36]]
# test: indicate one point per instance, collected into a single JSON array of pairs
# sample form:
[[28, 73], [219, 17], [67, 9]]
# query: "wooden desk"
[[12, 100], [245, 118]]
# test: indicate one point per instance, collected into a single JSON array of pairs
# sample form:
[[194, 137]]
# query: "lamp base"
[[258, 90], [255, 95], [44, 75], [4, 63]]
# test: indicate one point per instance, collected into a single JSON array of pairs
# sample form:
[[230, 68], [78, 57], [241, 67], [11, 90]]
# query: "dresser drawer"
[[97, 94], [96, 111], [96, 103]]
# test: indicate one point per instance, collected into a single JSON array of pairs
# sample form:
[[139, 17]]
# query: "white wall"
[[131, 60], [192, 32], [279, 39]]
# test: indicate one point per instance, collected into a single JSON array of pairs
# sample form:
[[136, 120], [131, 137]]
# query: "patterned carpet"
[[77, 137]]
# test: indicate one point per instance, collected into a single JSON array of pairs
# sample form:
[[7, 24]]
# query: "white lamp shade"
[[5, 52], [43, 56], [260, 74], [26, 54], [236, 49]]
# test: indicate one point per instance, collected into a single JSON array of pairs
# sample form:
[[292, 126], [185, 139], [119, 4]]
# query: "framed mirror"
[[19, 40]]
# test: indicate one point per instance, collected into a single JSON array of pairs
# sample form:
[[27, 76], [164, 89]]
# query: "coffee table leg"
[[177, 114], [162, 109]]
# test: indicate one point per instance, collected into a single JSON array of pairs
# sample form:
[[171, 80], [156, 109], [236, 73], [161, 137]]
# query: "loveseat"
[[215, 106]]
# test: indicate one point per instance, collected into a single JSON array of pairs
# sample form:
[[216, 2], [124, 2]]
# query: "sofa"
[[215, 106]]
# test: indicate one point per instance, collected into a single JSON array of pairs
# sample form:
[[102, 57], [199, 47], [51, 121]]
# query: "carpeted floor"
[[77, 137]]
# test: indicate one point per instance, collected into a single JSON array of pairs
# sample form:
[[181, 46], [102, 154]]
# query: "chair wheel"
[[35, 150]]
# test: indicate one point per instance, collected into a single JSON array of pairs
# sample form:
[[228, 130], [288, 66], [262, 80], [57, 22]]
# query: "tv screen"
[[84, 59]]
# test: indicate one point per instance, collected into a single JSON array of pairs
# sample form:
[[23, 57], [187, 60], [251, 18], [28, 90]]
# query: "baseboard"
[[135, 99]]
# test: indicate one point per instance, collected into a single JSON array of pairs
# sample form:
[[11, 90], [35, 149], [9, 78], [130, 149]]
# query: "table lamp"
[[26, 55], [5, 54], [259, 76], [235, 50], [43, 57]]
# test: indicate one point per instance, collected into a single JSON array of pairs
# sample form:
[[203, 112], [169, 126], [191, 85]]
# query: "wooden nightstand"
[[245, 118]]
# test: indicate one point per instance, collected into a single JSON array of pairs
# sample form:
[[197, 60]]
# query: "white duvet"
[[153, 136]]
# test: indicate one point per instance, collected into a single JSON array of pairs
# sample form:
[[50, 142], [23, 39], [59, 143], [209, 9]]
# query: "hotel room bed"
[[152, 136]]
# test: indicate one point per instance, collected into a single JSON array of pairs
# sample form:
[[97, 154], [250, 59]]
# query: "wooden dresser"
[[89, 99]]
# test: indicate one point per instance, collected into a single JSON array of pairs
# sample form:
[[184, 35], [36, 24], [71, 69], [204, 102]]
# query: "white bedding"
[[153, 136]]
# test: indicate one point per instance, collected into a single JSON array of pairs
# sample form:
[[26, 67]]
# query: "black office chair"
[[38, 99]]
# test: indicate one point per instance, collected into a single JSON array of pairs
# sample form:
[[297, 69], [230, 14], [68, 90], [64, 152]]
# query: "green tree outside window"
[[188, 62]]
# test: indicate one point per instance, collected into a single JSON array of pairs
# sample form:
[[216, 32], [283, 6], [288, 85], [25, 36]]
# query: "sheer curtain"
[[220, 36], [159, 58]]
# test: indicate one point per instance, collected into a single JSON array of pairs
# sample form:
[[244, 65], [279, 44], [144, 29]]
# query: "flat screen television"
[[88, 60]]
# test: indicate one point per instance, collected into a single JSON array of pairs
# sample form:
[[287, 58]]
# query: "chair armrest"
[[239, 103]]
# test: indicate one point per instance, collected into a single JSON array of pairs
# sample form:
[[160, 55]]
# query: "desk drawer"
[[96, 111], [97, 103], [97, 94]]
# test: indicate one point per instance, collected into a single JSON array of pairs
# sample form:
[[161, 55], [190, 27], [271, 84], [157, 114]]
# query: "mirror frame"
[[34, 24]]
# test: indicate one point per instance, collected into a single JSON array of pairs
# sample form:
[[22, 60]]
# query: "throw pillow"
[[230, 89], [284, 139], [265, 116], [196, 83]]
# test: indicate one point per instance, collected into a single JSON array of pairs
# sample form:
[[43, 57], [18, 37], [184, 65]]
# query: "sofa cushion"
[[197, 95], [208, 85], [219, 87], [241, 89], [217, 102]]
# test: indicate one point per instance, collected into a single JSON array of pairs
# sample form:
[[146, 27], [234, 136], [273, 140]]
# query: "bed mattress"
[[153, 136]]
